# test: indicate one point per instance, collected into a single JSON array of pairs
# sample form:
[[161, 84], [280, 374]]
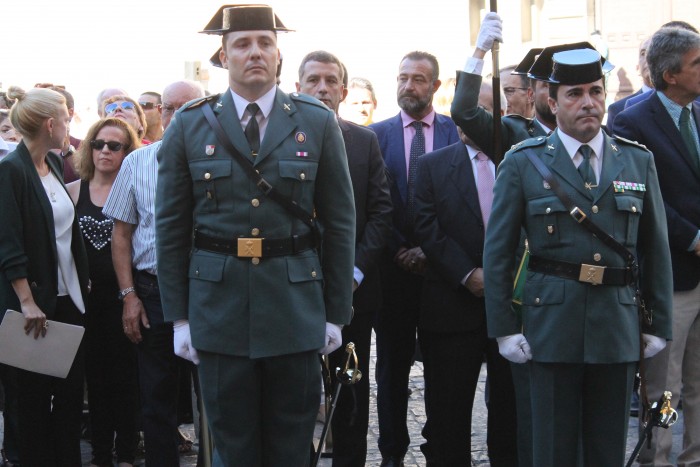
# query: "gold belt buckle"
[[250, 247], [591, 273]]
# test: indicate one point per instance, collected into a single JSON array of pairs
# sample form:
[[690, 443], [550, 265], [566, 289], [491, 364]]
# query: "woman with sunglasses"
[[43, 272], [127, 109], [110, 359]]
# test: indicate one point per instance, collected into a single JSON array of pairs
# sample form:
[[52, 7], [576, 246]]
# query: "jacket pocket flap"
[[549, 292], [298, 170], [629, 203], [207, 169], [546, 205], [207, 267], [303, 269]]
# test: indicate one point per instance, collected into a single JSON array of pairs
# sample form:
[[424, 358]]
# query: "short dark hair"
[[153, 94], [665, 53], [418, 55], [322, 56], [680, 24]]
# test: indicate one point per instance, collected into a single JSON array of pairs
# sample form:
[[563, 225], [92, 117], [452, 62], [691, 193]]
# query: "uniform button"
[[548, 210], [302, 176], [537, 301], [255, 261], [255, 232], [594, 209], [207, 176], [196, 273], [597, 257], [634, 208], [255, 202], [313, 274]]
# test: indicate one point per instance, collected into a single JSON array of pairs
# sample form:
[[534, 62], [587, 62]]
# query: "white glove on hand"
[[334, 337], [652, 345], [182, 341], [490, 31], [514, 348]]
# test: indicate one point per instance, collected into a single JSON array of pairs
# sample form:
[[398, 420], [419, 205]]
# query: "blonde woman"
[[43, 272]]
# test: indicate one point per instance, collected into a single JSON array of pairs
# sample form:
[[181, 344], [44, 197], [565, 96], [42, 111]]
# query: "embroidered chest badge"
[[209, 149], [300, 137], [620, 186]]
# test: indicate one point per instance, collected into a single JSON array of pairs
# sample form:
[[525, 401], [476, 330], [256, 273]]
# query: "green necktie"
[[685, 125], [584, 168]]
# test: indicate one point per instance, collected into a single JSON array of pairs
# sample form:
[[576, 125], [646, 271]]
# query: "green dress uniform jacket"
[[566, 320], [477, 123], [28, 236], [239, 306]]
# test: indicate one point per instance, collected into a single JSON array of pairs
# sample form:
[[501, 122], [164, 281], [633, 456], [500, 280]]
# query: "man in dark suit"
[[621, 104], [322, 76], [667, 123], [453, 196], [417, 129], [244, 271], [580, 329]]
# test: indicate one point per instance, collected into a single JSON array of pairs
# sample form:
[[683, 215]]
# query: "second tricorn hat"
[[526, 63], [247, 17], [542, 68]]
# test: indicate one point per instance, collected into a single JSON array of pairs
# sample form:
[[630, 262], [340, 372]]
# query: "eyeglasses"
[[168, 109], [148, 105], [99, 144], [510, 91], [111, 108]]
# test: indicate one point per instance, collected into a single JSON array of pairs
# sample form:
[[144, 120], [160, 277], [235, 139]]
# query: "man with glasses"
[[520, 96], [131, 205], [150, 103]]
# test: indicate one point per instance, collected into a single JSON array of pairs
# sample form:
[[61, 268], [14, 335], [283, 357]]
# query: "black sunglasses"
[[148, 105], [99, 144]]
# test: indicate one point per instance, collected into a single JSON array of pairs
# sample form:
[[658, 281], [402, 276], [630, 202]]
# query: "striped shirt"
[[132, 200]]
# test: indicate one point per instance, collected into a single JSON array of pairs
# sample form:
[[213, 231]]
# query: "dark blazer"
[[450, 230], [477, 123], [679, 178], [390, 135], [278, 305], [372, 210], [617, 107], [27, 234], [565, 320]]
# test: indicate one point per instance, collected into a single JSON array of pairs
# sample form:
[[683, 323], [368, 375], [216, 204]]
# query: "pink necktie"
[[484, 185]]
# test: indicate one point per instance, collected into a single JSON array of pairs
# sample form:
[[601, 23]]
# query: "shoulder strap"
[[575, 212], [291, 206]]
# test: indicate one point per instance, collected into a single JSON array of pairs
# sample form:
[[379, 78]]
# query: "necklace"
[[50, 188]]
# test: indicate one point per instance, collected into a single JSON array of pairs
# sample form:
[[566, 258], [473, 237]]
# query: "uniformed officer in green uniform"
[[241, 274], [580, 333]]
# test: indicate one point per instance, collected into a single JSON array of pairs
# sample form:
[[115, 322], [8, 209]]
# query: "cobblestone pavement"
[[415, 419]]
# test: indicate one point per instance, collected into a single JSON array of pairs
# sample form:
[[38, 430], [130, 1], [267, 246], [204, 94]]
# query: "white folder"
[[51, 355]]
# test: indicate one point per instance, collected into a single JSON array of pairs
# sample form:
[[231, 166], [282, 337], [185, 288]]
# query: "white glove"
[[334, 337], [514, 348], [182, 341], [490, 31], [652, 345]]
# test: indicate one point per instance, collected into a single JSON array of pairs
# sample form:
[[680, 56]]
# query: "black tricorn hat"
[[578, 66], [247, 17], [526, 63], [544, 64]]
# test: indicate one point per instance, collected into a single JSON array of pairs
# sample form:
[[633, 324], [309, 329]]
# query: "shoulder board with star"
[[629, 142], [197, 102], [305, 98], [529, 143]]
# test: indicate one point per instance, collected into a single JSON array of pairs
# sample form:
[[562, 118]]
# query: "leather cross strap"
[[578, 215], [290, 205]]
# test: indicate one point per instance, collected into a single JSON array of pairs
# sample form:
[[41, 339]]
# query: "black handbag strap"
[[575, 212], [290, 205]]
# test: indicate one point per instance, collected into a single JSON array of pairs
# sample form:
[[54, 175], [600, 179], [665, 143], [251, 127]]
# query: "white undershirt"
[[63, 216]]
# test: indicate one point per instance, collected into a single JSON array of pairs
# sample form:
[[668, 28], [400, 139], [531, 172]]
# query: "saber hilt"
[[347, 375]]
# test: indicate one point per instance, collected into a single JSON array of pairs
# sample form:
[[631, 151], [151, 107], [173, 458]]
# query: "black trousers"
[[452, 362], [157, 378], [351, 417], [111, 374], [396, 346], [50, 408]]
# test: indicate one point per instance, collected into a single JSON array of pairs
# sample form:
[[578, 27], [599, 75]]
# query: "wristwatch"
[[123, 293]]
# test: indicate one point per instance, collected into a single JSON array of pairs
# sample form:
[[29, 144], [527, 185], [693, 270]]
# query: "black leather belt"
[[590, 273], [255, 247]]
